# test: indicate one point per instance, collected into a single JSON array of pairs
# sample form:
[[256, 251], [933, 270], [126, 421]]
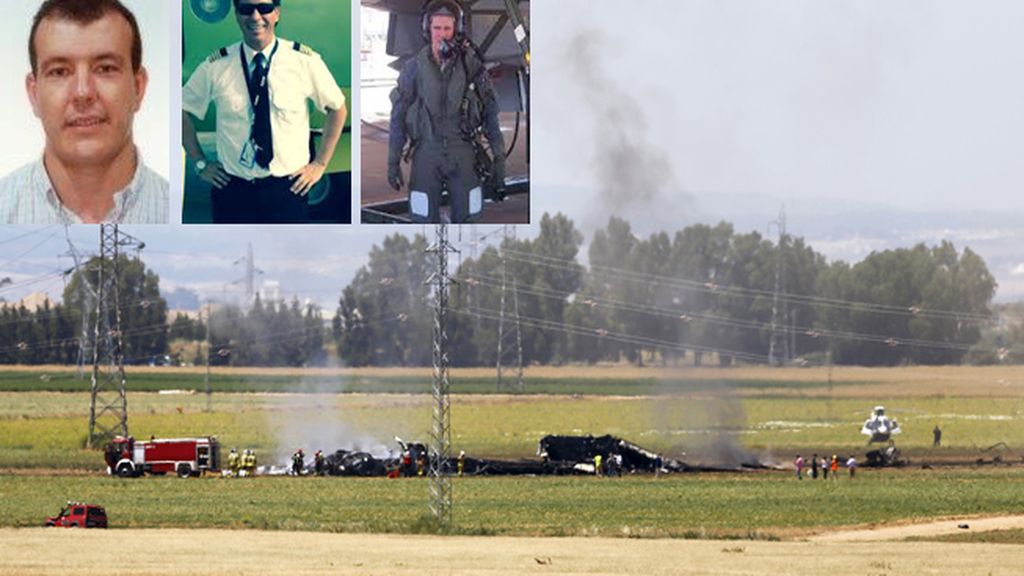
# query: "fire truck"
[[127, 457]]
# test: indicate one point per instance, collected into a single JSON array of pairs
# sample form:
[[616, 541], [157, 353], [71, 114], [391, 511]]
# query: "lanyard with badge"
[[248, 156]]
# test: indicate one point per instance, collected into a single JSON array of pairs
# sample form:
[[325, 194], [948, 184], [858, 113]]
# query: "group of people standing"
[[827, 466], [241, 464], [610, 467], [299, 464]]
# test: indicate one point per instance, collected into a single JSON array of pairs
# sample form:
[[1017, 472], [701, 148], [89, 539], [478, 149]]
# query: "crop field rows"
[[43, 423]]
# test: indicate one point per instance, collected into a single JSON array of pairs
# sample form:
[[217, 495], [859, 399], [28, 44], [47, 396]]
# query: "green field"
[[64, 380], [751, 505], [771, 414], [48, 430]]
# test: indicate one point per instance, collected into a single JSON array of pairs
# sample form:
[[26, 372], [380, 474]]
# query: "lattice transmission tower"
[[441, 431], [510, 337], [108, 405], [778, 345]]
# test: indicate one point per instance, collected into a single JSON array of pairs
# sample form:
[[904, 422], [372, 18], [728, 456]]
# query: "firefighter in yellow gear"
[[597, 465], [233, 463], [249, 462]]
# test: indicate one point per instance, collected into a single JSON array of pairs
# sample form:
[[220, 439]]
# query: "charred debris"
[[557, 455]]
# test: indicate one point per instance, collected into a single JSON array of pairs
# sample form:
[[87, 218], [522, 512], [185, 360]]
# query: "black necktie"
[[261, 111]]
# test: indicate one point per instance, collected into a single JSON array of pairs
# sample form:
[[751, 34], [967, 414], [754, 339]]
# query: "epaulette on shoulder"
[[300, 47], [218, 55]]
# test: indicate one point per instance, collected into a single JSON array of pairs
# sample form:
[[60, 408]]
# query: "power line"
[[719, 289], [687, 317], [622, 337], [30, 232], [33, 247]]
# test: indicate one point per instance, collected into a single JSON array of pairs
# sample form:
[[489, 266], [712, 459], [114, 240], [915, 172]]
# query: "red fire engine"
[[185, 457]]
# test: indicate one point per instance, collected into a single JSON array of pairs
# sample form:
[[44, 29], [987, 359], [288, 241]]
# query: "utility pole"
[[778, 337], [108, 406], [441, 433], [506, 331], [206, 377]]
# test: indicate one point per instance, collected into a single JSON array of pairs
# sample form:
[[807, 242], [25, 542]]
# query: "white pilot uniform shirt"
[[295, 77]]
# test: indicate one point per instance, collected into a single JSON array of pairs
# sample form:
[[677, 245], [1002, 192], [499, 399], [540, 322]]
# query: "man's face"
[[442, 27], [257, 28], [84, 90]]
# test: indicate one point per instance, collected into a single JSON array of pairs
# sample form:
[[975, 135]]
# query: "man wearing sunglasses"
[[260, 87]]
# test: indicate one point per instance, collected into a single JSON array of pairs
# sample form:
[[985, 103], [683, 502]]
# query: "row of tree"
[[51, 334], [702, 292], [272, 334]]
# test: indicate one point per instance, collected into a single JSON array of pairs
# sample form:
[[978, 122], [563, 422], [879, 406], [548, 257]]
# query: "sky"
[[871, 124]]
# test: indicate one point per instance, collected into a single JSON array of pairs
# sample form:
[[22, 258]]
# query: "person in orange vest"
[[834, 466]]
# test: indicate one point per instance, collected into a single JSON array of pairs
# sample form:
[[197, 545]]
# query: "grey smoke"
[[709, 426], [635, 173], [312, 419]]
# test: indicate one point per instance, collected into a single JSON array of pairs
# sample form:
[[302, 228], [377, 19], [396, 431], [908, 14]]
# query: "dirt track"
[[28, 552], [929, 529]]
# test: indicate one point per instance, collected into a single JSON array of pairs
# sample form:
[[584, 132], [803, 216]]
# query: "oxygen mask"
[[447, 49]]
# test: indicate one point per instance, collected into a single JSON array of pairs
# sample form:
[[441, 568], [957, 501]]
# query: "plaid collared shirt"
[[27, 197]]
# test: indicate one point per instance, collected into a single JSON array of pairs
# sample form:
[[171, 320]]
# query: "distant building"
[[32, 302]]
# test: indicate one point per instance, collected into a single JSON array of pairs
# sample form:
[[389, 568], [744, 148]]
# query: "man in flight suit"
[[443, 102], [261, 86]]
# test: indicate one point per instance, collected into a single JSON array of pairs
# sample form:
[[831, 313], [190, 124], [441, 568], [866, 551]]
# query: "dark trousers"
[[261, 201], [435, 169]]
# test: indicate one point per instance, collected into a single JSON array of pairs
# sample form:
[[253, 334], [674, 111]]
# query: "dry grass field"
[[195, 552]]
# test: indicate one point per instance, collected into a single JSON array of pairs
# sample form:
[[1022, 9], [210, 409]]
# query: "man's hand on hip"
[[215, 175], [304, 180]]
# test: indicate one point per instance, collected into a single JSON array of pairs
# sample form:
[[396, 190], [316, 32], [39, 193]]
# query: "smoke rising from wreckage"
[[559, 455]]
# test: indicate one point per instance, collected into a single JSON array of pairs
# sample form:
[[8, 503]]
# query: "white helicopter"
[[879, 426]]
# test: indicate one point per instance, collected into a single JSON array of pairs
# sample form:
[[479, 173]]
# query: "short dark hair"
[[84, 12], [276, 3]]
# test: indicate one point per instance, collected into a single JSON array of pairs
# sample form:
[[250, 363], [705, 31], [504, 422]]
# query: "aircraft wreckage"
[[558, 455]]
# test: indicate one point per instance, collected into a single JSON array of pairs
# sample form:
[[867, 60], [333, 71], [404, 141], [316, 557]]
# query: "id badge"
[[248, 156]]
